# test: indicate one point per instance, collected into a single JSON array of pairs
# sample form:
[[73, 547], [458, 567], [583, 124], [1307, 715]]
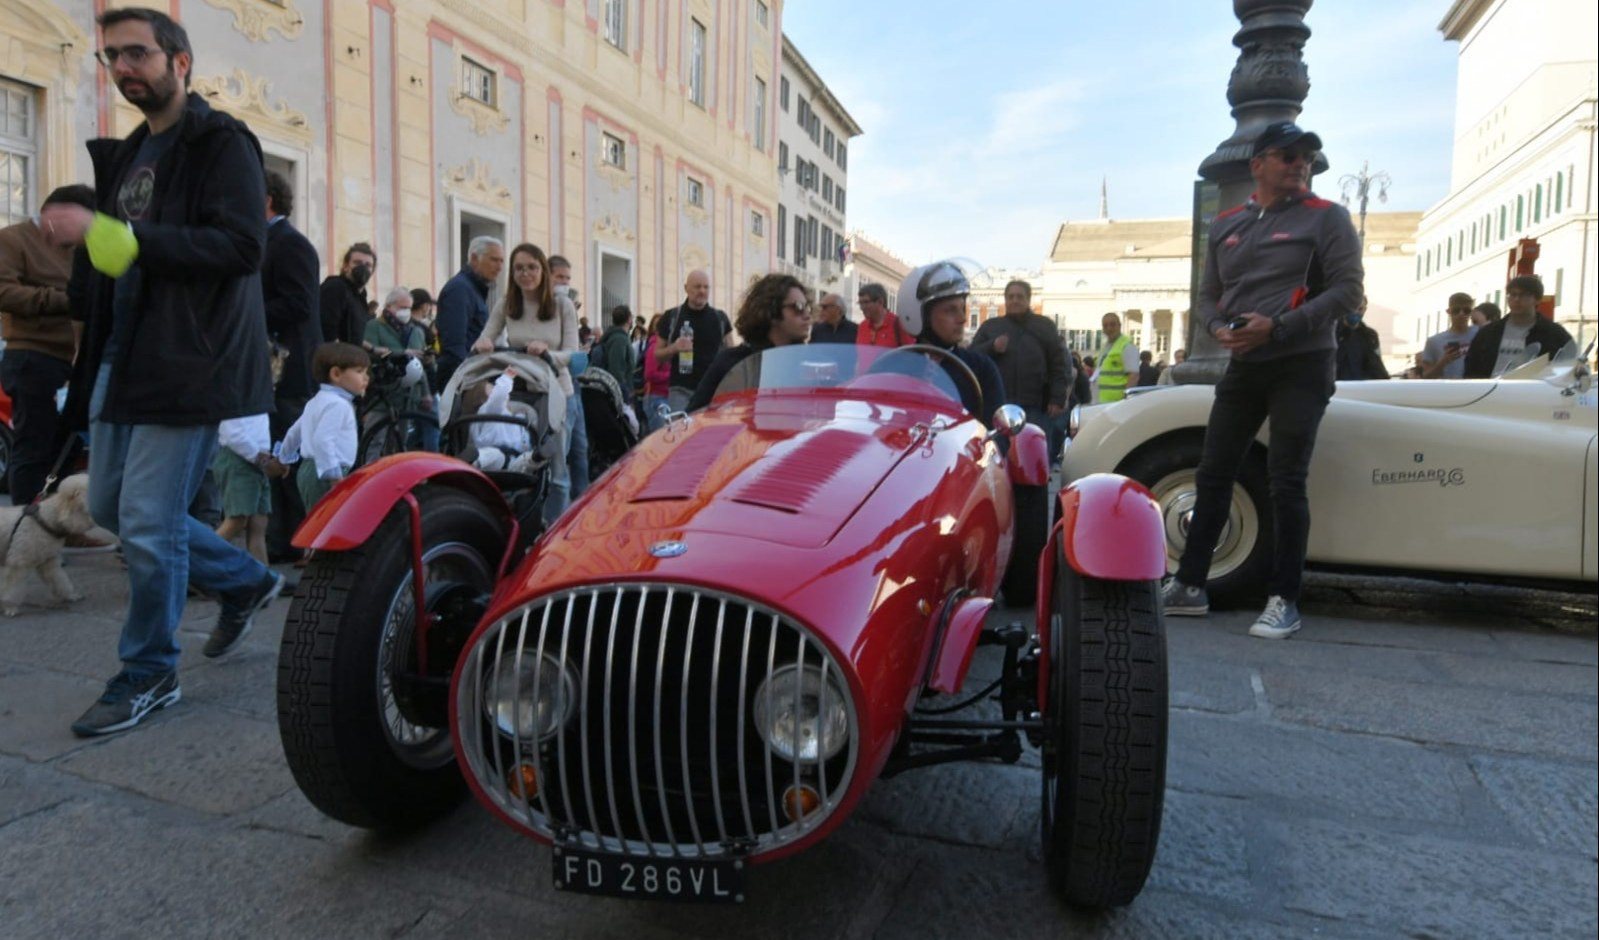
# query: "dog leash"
[[31, 511]]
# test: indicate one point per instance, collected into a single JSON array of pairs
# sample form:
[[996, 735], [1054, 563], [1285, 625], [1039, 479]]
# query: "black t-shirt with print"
[[710, 327], [135, 203]]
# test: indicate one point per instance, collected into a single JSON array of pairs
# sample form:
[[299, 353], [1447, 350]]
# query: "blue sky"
[[988, 124]]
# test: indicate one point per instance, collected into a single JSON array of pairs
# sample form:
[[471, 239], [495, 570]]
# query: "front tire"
[[367, 743], [1105, 737], [1020, 585], [1242, 559]]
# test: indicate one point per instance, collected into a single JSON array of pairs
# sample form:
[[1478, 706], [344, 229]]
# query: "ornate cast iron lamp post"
[[1359, 186]]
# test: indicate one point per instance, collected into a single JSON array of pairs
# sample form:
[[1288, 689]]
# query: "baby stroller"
[[537, 404], [609, 420]]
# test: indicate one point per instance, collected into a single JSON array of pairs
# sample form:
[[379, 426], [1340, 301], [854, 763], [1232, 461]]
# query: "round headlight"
[[530, 696], [801, 716]]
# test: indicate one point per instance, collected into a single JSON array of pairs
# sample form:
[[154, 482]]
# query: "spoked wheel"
[[1104, 737], [1032, 531], [1242, 558], [364, 726]]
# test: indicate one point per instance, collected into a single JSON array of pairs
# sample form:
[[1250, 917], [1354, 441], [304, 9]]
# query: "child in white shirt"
[[325, 438], [501, 446], [241, 468]]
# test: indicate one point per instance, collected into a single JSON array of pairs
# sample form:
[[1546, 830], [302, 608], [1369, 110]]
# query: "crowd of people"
[[217, 380]]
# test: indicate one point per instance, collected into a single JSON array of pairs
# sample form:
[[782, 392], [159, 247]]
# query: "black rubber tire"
[[333, 716], [1242, 561], [1104, 738], [1020, 585]]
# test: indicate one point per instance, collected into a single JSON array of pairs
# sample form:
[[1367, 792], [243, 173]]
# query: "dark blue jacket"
[[463, 311], [194, 349]]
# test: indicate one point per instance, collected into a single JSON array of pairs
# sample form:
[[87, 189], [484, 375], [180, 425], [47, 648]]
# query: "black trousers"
[[288, 510], [1293, 393], [32, 380]]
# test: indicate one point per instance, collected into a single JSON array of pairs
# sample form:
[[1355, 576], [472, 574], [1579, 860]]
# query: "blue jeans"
[[577, 444], [142, 478]]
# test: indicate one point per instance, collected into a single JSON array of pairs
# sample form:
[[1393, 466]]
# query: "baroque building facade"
[[813, 134], [636, 138], [1524, 160]]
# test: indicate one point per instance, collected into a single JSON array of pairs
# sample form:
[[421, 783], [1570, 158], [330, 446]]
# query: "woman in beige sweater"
[[535, 319]]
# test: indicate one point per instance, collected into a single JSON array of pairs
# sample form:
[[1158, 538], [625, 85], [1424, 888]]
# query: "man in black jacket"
[[289, 290], [1359, 348], [175, 342], [1498, 345], [343, 301]]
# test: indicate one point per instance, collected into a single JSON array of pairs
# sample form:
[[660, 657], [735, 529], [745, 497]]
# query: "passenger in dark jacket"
[[1359, 349], [175, 342], [463, 307], [1499, 343]]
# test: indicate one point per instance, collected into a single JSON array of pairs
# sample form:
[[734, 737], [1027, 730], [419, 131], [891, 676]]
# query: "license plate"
[[653, 879]]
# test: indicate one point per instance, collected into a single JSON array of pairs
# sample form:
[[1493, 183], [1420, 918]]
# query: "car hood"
[[789, 470]]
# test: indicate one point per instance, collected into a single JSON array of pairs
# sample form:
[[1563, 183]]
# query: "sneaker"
[[1179, 600], [126, 702], [1278, 621], [238, 615]]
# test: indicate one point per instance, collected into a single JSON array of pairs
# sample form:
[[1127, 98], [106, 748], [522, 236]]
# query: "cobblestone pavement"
[[1419, 762]]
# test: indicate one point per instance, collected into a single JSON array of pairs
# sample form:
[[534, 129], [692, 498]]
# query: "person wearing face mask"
[[1359, 348], [391, 333], [344, 301]]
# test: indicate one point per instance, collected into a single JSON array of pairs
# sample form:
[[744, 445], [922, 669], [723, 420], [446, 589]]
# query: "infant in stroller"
[[498, 445]]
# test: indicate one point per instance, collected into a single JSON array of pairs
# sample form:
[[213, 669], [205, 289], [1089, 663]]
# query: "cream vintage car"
[[1490, 478]]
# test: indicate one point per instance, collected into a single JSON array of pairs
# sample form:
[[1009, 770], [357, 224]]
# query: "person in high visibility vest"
[[1118, 367]]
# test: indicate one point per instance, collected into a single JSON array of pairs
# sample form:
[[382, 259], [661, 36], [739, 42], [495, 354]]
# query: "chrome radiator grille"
[[659, 754]]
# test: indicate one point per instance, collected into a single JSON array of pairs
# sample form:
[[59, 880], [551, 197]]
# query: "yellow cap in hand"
[[112, 247]]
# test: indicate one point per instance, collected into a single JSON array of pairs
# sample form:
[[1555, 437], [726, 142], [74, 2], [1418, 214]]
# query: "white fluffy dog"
[[31, 540]]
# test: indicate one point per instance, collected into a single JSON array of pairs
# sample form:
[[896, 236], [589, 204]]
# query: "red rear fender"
[[960, 640], [347, 516], [1029, 457]]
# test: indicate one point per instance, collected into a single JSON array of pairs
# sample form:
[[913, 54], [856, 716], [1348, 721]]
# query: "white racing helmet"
[[413, 373], [951, 277]]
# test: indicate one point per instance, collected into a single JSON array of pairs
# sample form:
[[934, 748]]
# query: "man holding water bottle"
[[691, 333]]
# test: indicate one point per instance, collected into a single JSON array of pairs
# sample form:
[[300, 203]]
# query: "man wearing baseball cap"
[[1280, 271]]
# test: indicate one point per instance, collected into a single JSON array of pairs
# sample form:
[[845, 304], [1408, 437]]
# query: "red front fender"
[[347, 516], [1110, 528], [1029, 457]]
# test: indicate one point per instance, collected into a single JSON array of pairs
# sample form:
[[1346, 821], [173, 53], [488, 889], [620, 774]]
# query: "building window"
[[827, 189], [757, 223], [840, 202], [1503, 212], [815, 128], [827, 143], [760, 115], [616, 23], [1521, 212], [843, 158], [478, 83], [782, 156], [782, 232], [613, 151], [696, 62], [782, 92], [696, 193], [799, 240], [1537, 205], [827, 243], [1560, 183], [762, 15], [813, 234], [803, 112], [19, 152]]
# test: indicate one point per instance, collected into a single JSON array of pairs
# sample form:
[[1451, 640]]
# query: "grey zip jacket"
[[1297, 262]]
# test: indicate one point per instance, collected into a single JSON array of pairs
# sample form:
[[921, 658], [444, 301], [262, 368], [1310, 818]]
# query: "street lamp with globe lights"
[[1359, 185]]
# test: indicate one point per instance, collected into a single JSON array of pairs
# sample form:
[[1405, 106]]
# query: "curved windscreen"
[[865, 372]]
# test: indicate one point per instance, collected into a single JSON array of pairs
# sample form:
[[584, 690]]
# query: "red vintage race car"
[[705, 663]]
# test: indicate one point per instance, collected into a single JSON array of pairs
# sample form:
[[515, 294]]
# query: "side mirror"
[[1010, 419]]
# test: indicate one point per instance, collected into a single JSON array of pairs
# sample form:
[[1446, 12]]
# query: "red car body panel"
[[1110, 528], [352, 511], [856, 520], [960, 642]]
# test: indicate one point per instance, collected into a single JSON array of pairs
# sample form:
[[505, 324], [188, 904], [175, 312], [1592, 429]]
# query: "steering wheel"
[[964, 370]]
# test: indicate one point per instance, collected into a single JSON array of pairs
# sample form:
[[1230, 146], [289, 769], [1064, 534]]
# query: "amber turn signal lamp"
[[799, 802], [523, 781]]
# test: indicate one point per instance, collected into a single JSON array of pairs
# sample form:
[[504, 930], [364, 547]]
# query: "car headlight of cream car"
[[530, 696], [801, 714]]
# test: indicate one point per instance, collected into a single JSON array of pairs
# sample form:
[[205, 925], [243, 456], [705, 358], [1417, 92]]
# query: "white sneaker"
[[1278, 621]]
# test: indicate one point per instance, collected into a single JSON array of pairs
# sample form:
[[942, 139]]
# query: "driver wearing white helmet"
[[932, 305]]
